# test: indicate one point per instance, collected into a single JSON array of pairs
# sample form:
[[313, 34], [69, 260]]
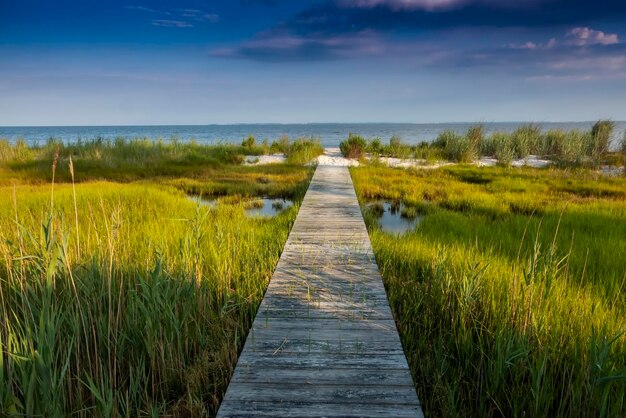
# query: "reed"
[[508, 295], [572, 148], [457, 148], [353, 147], [623, 151], [129, 299], [304, 150]]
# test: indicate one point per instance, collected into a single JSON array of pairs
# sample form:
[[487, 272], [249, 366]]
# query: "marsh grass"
[[353, 147], [458, 148], [409, 212], [573, 148], [623, 152], [527, 140], [509, 294], [303, 150], [207, 170], [127, 299]]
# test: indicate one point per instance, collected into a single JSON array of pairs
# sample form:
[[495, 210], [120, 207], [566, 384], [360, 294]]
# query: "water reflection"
[[394, 217], [256, 207]]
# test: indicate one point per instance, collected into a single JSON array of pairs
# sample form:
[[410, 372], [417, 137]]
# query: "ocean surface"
[[330, 134]]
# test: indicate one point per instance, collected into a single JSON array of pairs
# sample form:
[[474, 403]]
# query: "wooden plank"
[[372, 345], [318, 334], [309, 409], [352, 392], [301, 375], [394, 360], [324, 342]]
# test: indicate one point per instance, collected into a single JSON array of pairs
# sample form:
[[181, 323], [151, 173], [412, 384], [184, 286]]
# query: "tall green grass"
[[509, 294], [303, 150], [591, 148], [457, 148], [191, 167], [353, 147], [126, 299]]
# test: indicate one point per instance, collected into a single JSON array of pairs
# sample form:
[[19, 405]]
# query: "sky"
[[135, 62]]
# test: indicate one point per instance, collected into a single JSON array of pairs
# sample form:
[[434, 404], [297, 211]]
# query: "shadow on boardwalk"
[[324, 342]]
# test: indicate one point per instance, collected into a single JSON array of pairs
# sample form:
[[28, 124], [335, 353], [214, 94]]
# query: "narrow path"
[[324, 342]]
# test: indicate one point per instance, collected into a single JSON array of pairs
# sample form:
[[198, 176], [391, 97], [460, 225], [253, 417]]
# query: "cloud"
[[421, 15], [404, 4], [450, 35], [579, 37], [581, 54], [530, 45], [177, 18], [586, 36], [171, 23], [147, 9], [281, 46]]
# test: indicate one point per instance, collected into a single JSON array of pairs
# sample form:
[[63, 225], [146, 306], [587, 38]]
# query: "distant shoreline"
[[330, 134], [305, 124]]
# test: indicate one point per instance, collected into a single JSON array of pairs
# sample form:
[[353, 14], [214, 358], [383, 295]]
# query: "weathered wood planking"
[[324, 343]]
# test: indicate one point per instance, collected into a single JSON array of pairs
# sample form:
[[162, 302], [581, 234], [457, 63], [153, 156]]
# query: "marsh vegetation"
[[119, 296], [509, 294], [573, 148]]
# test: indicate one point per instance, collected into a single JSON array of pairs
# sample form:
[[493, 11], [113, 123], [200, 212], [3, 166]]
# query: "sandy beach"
[[332, 157]]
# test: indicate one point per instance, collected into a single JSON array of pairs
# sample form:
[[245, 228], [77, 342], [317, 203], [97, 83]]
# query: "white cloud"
[[587, 36], [552, 43], [434, 5], [171, 23], [178, 18], [404, 4], [574, 37]]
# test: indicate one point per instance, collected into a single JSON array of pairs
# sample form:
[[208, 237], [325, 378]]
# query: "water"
[[330, 134], [203, 201], [271, 206], [392, 221]]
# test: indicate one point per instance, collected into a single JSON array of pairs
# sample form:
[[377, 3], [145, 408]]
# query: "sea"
[[330, 134]]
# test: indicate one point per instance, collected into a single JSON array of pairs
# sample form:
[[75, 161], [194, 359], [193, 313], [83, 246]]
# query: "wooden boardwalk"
[[324, 342]]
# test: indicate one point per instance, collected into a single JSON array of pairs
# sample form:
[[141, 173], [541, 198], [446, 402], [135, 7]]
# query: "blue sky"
[[87, 62]]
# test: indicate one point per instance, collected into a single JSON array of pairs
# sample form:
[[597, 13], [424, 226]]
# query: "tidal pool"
[[203, 201], [394, 217], [270, 207], [257, 207]]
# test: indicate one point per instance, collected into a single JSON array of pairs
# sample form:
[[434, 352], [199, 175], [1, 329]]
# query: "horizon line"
[[308, 123]]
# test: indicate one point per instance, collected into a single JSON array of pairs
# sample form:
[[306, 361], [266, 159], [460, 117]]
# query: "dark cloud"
[[577, 54], [358, 15], [345, 29]]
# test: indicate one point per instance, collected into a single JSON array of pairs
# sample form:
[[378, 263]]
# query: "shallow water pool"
[[390, 218]]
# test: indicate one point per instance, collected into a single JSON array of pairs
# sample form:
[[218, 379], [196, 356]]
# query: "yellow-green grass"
[[566, 148], [192, 167], [128, 299], [509, 295], [208, 170]]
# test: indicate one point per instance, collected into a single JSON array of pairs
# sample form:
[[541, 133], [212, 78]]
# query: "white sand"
[[530, 161], [264, 159], [333, 157], [611, 171]]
